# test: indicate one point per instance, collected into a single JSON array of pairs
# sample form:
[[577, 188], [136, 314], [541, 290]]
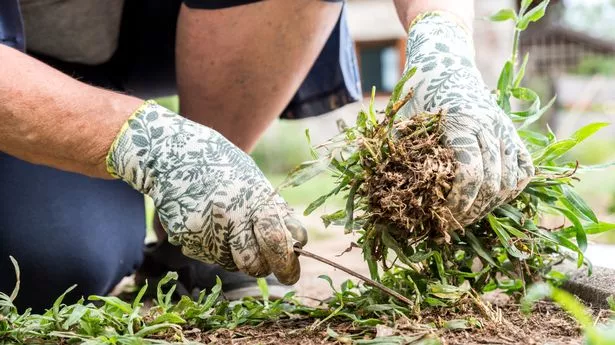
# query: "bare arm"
[[48, 118], [409, 9], [238, 68]]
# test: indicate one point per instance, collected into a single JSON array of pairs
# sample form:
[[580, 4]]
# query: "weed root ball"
[[406, 191]]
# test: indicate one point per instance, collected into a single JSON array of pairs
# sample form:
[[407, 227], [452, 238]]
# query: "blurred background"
[[572, 55]]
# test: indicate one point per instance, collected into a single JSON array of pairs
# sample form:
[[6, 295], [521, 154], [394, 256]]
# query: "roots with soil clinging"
[[407, 189]]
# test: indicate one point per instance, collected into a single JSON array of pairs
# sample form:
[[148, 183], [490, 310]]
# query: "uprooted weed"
[[408, 187], [395, 174]]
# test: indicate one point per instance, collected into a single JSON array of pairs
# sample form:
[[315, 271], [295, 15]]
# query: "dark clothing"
[[65, 228], [332, 82]]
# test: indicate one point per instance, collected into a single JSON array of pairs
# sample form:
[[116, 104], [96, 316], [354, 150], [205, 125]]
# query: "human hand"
[[493, 164], [210, 196]]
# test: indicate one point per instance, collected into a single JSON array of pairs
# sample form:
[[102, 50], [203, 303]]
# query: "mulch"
[[505, 325]]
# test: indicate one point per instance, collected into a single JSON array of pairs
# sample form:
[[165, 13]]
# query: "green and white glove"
[[493, 163], [211, 197]]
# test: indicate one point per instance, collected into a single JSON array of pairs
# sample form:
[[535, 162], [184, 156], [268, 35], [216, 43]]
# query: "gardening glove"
[[211, 198], [493, 165]]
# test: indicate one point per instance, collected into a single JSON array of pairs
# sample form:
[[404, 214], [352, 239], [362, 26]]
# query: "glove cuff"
[[444, 14], [109, 161]]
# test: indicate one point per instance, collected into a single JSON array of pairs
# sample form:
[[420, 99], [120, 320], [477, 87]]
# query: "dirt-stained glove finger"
[[276, 244], [296, 228], [246, 252]]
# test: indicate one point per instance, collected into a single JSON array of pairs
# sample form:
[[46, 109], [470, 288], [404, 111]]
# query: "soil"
[[548, 324]]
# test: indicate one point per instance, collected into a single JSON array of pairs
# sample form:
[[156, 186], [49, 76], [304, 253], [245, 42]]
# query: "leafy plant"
[[111, 320], [508, 248]]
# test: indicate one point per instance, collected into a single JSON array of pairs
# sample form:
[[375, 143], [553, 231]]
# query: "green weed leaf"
[[504, 15], [533, 15]]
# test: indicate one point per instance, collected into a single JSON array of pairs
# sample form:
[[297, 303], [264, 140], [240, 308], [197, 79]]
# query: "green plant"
[[510, 245], [111, 320]]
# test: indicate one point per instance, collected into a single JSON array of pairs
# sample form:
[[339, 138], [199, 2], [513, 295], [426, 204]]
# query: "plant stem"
[[367, 281], [515, 49]]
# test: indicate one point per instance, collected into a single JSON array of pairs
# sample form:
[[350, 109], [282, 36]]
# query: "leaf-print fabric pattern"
[[493, 163], [210, 196]]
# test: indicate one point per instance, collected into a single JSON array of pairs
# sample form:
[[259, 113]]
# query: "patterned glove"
[[210, 196], [493, 164]]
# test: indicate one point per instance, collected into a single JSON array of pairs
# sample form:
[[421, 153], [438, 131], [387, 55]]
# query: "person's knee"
[[44, 277], [66, 229]]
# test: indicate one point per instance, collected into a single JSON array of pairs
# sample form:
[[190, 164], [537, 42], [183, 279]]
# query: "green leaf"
[[372, 112], [557, 149], [457, 324], [213, 296], [504, 238], [533, 15], [166, 279], [137, 300], [503, 15], [169, 317], [506, 77], [321, 200], [113, 301], [264, 288], [399, 87], [154, 329], [331, 333], [521, 72], [480, 249], [78, 310], [333, 217], [361, 119], [313, 152], [349, 223], [553, 151], [581, 236], [537, 115], [56, 305], [578, 204], [525, 4], [305, 172], [534, 138], [524, 94], [510, 212], [316, 204], [328, 279], [588, 130], [590, 229]]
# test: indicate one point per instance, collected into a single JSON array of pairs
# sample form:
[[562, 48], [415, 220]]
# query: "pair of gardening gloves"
[[216, 204]]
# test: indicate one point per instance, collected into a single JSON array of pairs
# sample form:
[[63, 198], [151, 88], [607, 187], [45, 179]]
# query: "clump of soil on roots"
[[407, 190]]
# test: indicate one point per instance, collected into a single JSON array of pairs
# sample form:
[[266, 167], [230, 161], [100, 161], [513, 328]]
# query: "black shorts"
[[332, 82]]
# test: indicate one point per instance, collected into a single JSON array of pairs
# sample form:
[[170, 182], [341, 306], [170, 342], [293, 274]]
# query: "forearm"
[[51, 119], [239, 86], [409, 9]]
